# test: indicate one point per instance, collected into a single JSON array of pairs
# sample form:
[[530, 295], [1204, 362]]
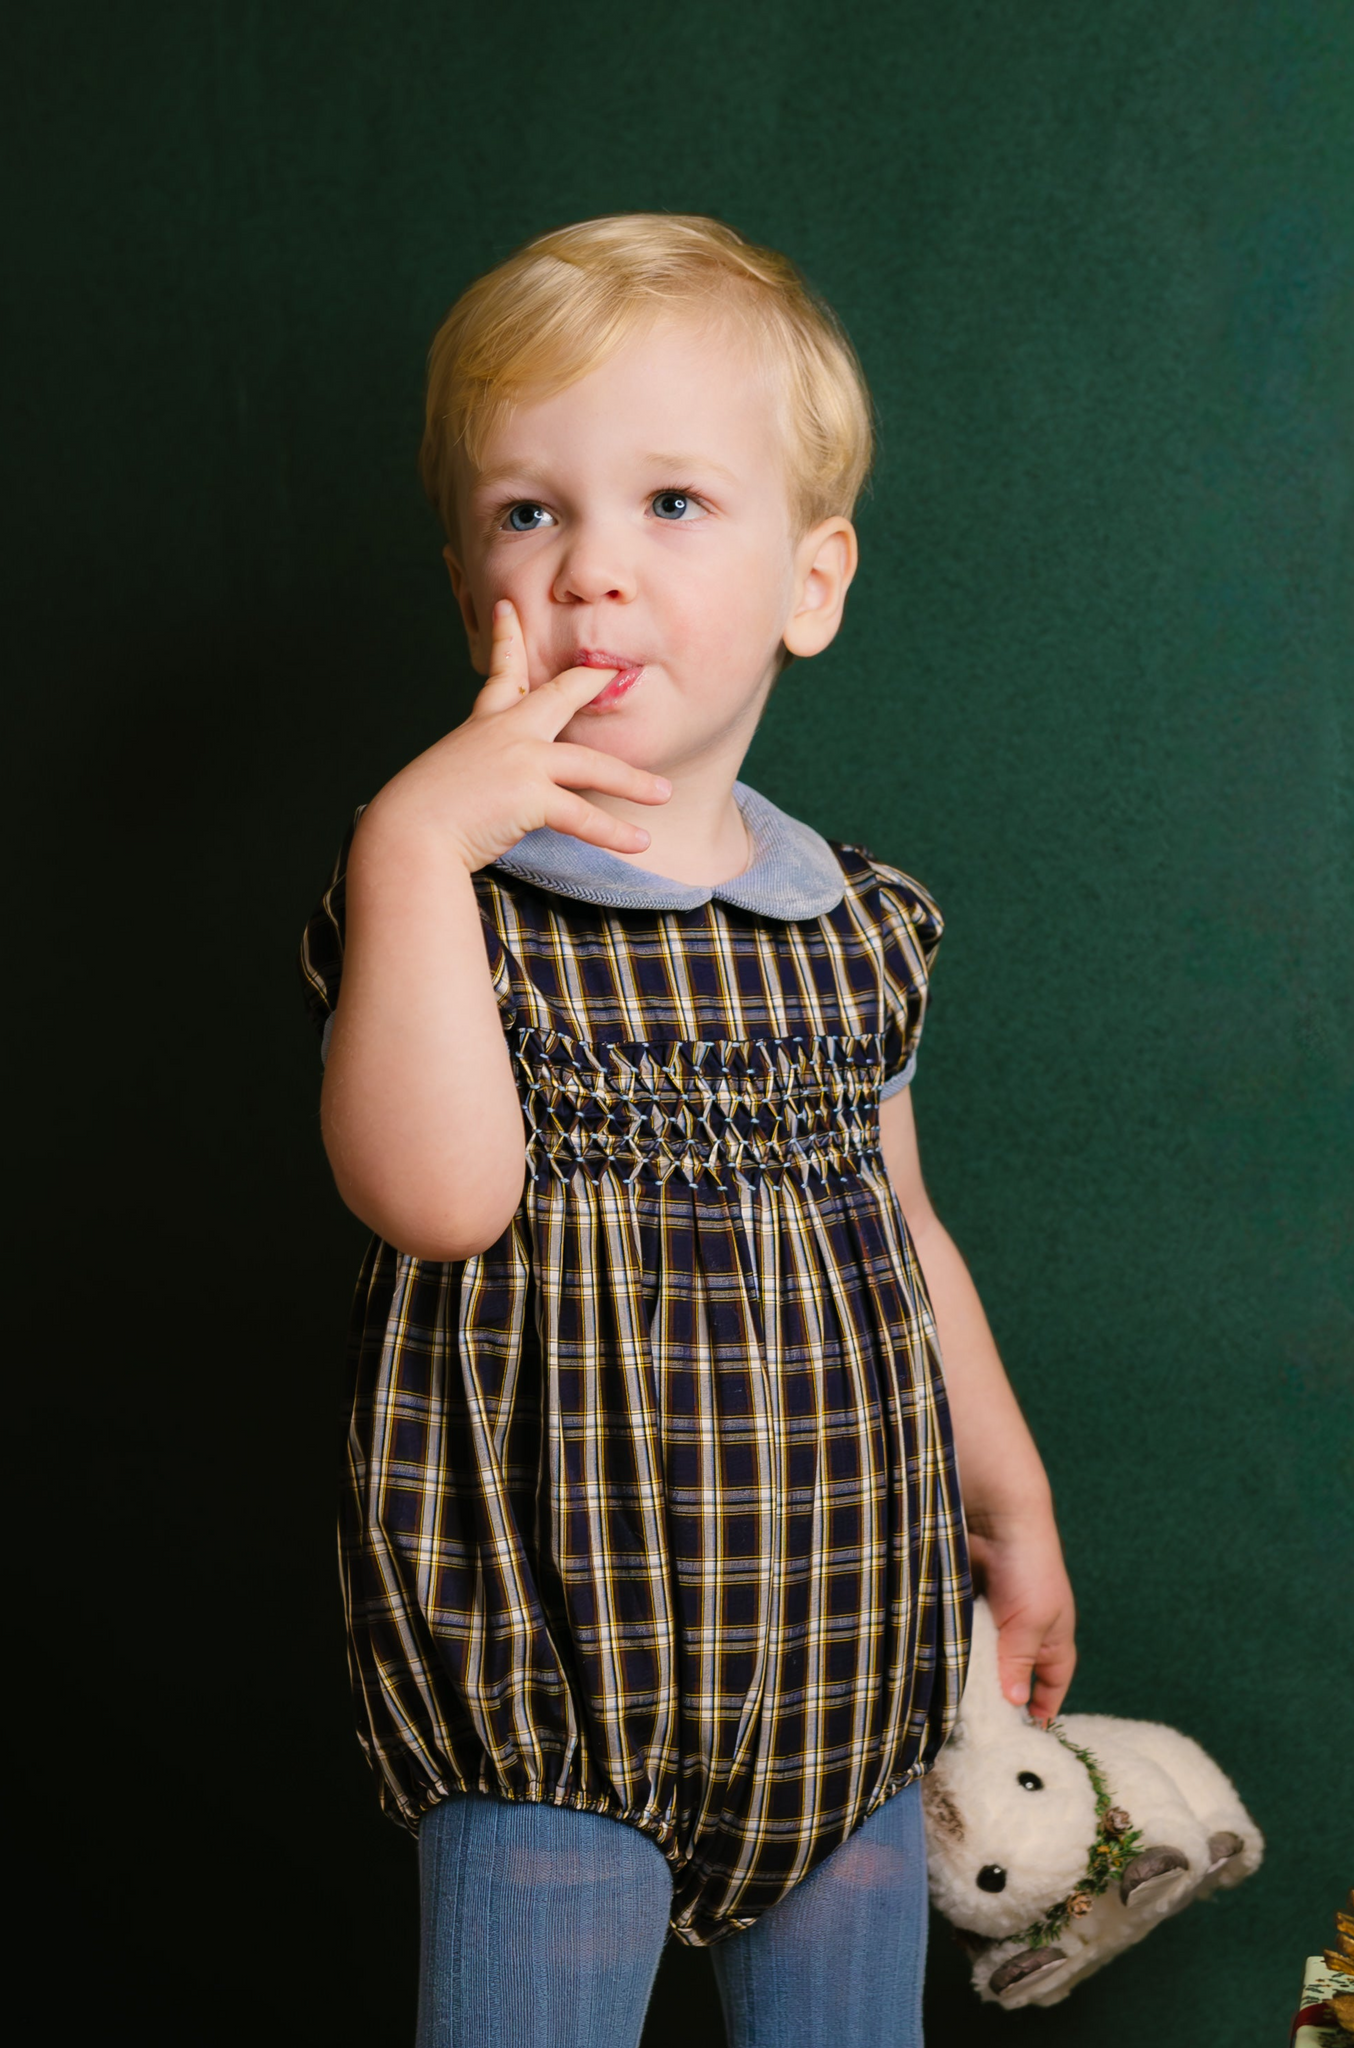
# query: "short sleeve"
[[321, 954], [910, 928]]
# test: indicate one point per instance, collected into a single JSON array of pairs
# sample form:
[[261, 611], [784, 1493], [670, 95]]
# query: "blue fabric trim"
[[897, 1082], [793, 872]]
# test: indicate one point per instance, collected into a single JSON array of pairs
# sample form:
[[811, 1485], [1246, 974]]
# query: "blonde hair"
[[563, 302]]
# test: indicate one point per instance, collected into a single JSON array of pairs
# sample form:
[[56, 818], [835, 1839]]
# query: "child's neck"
[[697, 836]]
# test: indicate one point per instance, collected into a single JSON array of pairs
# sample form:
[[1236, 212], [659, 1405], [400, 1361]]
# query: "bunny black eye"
[[1029, 1781]]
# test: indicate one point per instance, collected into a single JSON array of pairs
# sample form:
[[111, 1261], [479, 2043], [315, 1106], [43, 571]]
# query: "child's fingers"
[[508, 679], [582, 820], [558, 700], [1034, 1664], [1052, 1676], [584, 768], [1015, 1663]]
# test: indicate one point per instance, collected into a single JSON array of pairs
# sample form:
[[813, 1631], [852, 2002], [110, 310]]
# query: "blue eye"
[[673, 505], [526, 518]]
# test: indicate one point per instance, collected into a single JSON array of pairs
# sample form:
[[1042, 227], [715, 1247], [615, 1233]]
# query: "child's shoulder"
[[889, 892]]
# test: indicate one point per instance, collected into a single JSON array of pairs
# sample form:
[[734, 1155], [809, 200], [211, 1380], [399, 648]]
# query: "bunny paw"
[[1017, 1969], [1149, 1867]]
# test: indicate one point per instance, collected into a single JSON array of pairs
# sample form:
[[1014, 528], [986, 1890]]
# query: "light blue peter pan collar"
[[793, 872]]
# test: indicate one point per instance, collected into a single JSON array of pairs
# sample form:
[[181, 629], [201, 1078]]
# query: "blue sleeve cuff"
[[901, 1080]]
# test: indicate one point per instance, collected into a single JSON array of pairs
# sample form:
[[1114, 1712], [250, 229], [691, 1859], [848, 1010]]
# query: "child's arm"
[[1008, 1505], [419, 1108]]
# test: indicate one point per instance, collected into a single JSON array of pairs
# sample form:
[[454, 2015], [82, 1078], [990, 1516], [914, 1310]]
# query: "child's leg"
[[541, 1926], [841, 1957]]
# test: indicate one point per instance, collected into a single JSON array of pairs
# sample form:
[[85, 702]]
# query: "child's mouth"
[[627, 674]]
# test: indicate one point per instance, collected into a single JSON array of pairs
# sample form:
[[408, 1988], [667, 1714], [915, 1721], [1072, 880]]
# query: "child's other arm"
[[419, 1109], [1008, 1504]]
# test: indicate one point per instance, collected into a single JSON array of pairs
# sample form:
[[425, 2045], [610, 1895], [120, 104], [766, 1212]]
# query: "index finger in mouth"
[[581, 669], [571, 681], [619, 676], [560, 696]]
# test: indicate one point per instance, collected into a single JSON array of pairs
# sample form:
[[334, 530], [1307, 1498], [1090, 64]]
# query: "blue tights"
[[542, 1927]]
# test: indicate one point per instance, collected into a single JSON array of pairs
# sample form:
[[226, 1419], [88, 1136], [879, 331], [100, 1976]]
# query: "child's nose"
[[596, 566]]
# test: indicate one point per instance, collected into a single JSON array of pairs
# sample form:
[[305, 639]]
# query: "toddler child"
[[656, 1575]]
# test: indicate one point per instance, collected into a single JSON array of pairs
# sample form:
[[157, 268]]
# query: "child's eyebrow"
[[533, 473], [507, 472], [691, 462]]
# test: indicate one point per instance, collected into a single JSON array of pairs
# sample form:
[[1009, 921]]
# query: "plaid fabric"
[[651, 1508]]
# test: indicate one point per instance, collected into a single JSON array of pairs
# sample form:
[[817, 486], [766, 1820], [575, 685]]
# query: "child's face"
[[643, 513]]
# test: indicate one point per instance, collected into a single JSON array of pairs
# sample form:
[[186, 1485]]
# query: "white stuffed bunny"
[[1053, 1849]]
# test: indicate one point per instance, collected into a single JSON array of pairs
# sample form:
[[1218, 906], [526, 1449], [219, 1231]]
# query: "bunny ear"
[[985, 1709]]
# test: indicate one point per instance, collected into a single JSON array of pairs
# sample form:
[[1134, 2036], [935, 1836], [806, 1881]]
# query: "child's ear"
[[825, 562], [465, 598]]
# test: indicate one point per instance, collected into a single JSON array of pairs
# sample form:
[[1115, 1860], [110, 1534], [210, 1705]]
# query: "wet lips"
[[627, 674]]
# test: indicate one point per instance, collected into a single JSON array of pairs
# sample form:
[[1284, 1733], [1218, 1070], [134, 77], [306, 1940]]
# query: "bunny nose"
[[991, 1878]]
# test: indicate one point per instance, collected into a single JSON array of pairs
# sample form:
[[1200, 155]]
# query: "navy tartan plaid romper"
[[651, 1508]]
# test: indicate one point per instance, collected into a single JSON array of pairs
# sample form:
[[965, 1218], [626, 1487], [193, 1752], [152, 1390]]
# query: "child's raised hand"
[[505, 773]]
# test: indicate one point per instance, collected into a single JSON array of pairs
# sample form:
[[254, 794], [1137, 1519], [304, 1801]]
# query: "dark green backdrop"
[[1093, 690]]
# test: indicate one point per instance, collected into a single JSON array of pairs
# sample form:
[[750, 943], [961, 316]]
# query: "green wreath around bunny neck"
[[1116, 1843]]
